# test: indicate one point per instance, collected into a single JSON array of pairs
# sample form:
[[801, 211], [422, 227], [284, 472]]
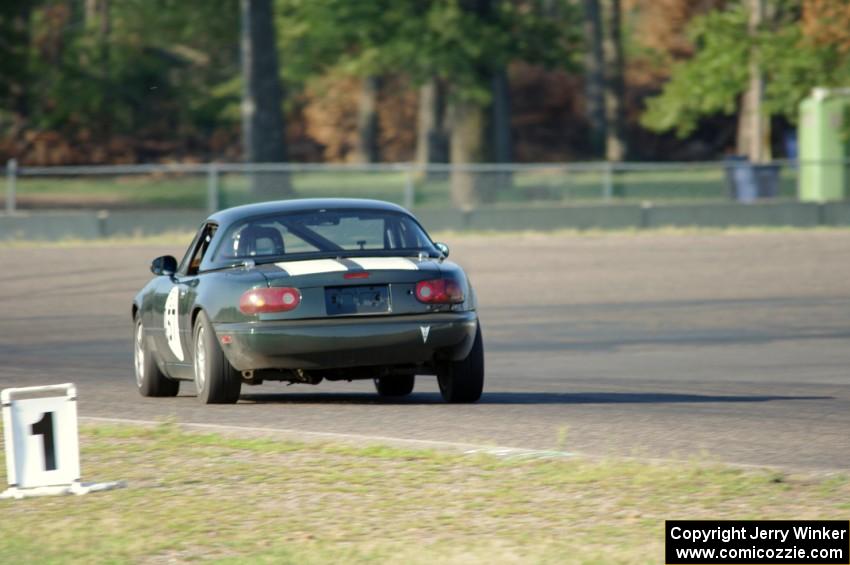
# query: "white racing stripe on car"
[[385, 263], [317, 266], [311, 267]]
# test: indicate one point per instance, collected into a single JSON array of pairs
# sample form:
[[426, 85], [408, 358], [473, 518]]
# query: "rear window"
[[322, 234]]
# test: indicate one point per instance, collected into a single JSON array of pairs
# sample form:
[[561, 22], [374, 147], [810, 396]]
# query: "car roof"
[[230, 215]]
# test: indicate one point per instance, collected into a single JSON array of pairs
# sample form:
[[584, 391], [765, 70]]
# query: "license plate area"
[[361, 299]]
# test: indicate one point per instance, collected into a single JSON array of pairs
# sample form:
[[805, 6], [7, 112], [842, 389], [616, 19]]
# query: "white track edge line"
[[466, 448], [469, 448]]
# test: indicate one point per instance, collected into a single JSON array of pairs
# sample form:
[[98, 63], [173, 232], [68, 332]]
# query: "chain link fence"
[[214, 186]]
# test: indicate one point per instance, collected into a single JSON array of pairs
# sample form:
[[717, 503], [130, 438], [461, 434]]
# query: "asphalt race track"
[[724, 347]]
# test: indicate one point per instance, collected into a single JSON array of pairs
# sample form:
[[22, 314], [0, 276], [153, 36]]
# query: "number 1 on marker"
[[44, 427]]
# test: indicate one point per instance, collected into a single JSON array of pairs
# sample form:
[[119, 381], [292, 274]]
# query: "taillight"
[[259, 300], [439, 291], [356, 275]]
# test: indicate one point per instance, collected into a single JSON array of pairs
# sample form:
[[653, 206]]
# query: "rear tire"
[[215, 378], [149, 379], [399, 385], [463, 381]]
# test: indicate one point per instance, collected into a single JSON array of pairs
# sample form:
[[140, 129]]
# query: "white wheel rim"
[[200, 360], [139, 355]]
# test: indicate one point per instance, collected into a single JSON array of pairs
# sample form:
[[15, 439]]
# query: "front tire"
[[399, 385], [463, 381], [149, 379], [215, 378]]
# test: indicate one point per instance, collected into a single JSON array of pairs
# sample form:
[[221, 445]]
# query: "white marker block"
[[42, 443]]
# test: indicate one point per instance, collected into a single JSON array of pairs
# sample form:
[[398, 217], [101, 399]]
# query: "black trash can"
[[741, 179], [767, 180]]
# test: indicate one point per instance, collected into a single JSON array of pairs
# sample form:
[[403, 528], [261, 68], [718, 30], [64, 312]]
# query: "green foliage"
[[464, 47], [713, 80], [316, 36], [13, 50], [157, 66], [442, 38], [796, 66], [168, 70]]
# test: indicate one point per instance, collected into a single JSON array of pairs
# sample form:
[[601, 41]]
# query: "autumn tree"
[[826, 23]]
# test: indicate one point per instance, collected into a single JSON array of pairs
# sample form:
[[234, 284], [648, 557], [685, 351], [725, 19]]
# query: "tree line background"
[[124, 81]]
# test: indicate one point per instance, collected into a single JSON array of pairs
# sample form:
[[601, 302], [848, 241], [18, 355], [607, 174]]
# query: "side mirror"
[[444, 249], [164, 266]]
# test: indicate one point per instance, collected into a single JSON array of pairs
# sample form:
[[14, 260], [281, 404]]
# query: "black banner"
[[761, 542]]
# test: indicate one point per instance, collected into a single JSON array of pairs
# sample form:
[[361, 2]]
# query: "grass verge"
[[200, 497], [548, 184], [183, 238], [180, 238]]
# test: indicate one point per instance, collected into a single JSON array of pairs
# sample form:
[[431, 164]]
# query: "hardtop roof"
[[230, 215]]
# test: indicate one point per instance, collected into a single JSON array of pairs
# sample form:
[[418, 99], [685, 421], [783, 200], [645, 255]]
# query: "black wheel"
[[399, 385], [149, 379], [216, 380], [463, 381]]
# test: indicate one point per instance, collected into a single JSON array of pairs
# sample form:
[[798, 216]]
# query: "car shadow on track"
[[521, 398], [629, 398], [338, 398]]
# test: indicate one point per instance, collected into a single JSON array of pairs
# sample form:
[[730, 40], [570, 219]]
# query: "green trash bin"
[[823, 135]]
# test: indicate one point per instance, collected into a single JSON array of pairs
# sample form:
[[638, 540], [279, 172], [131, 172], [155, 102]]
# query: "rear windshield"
[[325, 233]]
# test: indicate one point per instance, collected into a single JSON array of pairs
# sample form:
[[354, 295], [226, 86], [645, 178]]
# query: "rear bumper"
[[348, 342]]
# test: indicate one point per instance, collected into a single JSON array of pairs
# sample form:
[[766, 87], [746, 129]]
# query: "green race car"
[[306, 290]]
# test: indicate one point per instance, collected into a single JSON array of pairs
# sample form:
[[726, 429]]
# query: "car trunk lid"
[[352, 286]]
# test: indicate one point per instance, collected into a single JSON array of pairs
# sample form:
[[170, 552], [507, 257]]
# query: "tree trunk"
[[97, 22], [468, 145], [105, 66], [753, 138], [745, 124], [432, 142], [263, 132], [367, 148], [91, 13], [500, 118], [432, 145], [615, 141], [594, 64], [501, 146], [475, 126]]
